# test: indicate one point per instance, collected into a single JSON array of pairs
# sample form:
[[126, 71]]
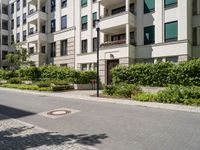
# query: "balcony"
[[35, 15], [117, 21], [33, 37], [38, 58]]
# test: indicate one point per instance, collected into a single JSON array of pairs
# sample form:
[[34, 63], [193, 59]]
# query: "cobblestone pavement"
[[17, 135]]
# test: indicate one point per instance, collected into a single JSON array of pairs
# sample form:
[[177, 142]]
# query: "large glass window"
[[63, 50], [53, 49], [84, 46], [84, 22], [83, 3], [170, 3], [149, 35], [64, 22], [94, 19], [53, 25], [149, 6], [18, 5], [53, 5], [171, 31]]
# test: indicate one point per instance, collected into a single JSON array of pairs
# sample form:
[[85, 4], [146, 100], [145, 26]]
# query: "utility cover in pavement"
[[60, 112]]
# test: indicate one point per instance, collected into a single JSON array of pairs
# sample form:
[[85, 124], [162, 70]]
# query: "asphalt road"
[[107, 126]]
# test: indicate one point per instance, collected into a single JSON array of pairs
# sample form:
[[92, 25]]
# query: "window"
[[194, 37], [194, 7], [83, 67], [94, 19], [63, 22], [12, 39], [149, 35], [63, 50], [53, 5], [24, 18], [12, 24], [18, 37], [118, 10], [84, 46], [18, 5], [94, 44], [5, 24], [170, 3], [53, 49], [171, 31], [24, 3], [83, 3], [24, 35], [149, 6], [4, 40], [84, 23], [5, 9], [12, 8], [118, 37], [18, 21], [63, 3], [31, 50], [94, 1], [53, 26]]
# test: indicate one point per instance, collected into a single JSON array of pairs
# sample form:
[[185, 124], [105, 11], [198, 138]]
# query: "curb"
[[174, 107]]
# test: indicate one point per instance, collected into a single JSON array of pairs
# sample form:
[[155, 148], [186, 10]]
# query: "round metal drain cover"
[[59, 112]]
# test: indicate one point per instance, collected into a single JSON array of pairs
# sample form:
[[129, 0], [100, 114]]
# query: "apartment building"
[[62, 32], [3, 32]]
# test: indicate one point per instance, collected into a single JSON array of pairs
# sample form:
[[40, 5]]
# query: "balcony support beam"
[[127, 5], [127, 34]]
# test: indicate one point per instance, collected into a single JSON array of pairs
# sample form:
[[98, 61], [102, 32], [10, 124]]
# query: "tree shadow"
[[13, 112], [24, 137]]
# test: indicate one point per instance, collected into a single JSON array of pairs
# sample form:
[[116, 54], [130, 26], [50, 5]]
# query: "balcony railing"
[[115, 43]]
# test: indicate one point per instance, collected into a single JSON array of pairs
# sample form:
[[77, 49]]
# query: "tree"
[[18, 58]]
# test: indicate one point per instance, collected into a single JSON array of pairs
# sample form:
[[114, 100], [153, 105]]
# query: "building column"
[[127, 5], [127, 34], [38, 25], [38, 47], [38, 5]]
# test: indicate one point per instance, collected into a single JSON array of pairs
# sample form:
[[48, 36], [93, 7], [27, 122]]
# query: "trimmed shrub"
[[84, 77], [122, 90], [15, 81], [161, 74]]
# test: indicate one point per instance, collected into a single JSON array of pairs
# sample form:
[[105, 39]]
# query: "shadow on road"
[[21, 138], [13, 112]]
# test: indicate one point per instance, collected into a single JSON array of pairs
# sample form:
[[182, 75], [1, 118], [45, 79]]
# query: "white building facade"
[[3, 32], [62, 32]]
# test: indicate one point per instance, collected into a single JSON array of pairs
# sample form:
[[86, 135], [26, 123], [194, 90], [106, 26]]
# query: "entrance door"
[[111, 64]]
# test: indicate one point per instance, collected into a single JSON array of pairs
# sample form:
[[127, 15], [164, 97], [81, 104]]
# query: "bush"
[[7, 74], [15, 81], [188, 95], [30, 73], [122, 90], [180, 95], [146, 97], [161, 74], [109, 90], [49, 82], [84, 77], [24, 87]]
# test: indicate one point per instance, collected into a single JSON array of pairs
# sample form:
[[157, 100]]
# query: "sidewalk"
[[86, 95]]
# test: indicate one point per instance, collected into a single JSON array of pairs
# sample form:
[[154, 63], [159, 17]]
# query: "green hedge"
[[50, 72], [161, 74]]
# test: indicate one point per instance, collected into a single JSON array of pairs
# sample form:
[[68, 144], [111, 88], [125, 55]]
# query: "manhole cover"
[[60, 112]]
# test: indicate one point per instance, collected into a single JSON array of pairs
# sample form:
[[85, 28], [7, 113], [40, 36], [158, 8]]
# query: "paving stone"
[[17, 135]]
